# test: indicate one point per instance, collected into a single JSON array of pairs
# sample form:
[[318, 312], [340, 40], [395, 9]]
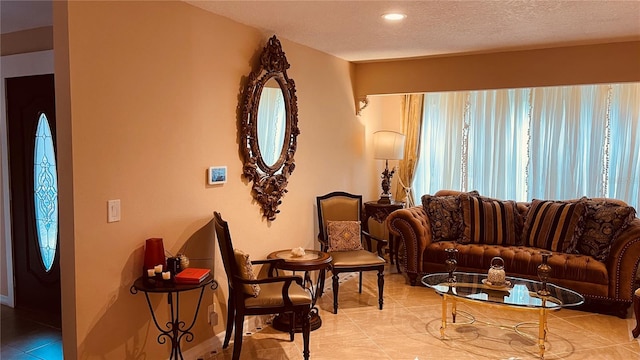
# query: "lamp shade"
[[388, 145]]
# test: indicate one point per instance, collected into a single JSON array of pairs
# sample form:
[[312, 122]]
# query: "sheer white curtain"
[[440, 159], [624, 162], [498, 131], [546, 143], [567, 142]]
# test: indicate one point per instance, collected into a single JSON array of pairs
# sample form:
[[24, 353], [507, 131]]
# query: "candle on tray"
[[166, 275], [151, 272], [158, 269]]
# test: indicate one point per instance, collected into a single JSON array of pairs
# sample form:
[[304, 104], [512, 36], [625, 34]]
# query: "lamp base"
[[385, 199]]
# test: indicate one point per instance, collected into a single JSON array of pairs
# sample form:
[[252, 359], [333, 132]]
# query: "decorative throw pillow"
[[246, 272], [488, 221], [445, 216], [554, 225], [344, 235], [603, 223]]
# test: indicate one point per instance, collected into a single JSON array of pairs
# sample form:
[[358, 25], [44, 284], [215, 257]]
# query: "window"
[[45, 192], [546, 143]]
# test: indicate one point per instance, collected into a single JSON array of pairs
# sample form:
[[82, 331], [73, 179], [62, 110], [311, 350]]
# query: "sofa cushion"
[[489, 221], [344, 235], [604, 221], [444, 215], [554, 225]]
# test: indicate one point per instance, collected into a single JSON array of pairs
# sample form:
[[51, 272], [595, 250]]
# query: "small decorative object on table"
[[544, 272], [297, 252], [184, 261], [496, 275], [451, 263], [173, 263]]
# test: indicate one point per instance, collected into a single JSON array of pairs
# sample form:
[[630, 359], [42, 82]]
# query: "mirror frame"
[[269, 182]]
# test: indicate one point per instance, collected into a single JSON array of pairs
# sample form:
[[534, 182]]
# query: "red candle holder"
[[154, 255]]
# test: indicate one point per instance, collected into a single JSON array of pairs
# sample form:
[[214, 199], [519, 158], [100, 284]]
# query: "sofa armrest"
[[623, 261], [412, 226]]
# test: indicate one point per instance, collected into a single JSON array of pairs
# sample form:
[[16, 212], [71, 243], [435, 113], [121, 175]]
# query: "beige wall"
[[147, 96], [603, 63], [147, 101], [25, 41]]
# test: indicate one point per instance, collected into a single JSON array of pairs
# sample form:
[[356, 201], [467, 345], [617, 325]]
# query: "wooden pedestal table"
[[379, 212], [312, 260]]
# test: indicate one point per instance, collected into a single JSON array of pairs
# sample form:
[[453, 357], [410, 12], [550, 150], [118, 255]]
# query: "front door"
[[34, 194]]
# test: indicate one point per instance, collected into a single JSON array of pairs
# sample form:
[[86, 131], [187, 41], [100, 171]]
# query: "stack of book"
[[191, 276]]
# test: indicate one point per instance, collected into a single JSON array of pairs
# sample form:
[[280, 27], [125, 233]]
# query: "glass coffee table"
[[516, 293]]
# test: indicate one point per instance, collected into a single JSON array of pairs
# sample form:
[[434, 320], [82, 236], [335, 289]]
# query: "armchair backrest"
[[337, 206], [226, 247]]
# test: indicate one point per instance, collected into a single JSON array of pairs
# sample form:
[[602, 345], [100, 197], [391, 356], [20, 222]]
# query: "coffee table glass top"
[[517, 292]]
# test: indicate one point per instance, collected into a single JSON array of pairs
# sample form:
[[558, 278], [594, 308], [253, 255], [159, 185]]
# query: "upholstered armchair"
[[339, 217]]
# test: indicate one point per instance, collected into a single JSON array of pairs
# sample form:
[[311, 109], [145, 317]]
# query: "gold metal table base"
[[541, 324]]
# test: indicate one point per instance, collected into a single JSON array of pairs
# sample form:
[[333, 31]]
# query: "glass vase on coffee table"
[[451, 263], [544, 272]]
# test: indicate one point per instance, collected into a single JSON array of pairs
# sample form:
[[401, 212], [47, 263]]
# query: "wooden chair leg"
[[360, 286], [237, 341], [292, 325], [636, 311], [320, 285], [306, 329], [335, 293], [380, 286], [231, 312]]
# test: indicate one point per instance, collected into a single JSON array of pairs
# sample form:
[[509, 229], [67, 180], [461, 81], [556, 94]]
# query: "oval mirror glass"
[[271, 122]]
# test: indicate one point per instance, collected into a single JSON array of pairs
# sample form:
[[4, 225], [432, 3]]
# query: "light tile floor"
[[408, 328]]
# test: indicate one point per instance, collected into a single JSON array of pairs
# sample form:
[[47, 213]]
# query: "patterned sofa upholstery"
[[602, 271]]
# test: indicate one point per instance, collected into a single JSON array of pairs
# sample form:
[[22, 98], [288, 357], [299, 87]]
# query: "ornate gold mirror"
[[269, 128]]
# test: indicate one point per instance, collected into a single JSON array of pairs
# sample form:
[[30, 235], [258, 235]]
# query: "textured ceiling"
[[25, 14], [355, 31]]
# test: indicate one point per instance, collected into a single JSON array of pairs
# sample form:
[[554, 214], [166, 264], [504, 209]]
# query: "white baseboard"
[[208, 349]]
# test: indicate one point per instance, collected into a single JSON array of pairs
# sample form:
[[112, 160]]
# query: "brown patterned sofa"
[[595, 243]]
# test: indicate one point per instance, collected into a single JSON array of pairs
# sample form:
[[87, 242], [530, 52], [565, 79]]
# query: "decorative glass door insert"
[[45, 192]]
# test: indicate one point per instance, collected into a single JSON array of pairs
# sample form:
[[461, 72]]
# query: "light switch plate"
[[113, 210]]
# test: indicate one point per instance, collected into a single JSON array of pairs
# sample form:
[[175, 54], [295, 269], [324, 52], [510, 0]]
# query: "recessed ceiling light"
[[394, 16]]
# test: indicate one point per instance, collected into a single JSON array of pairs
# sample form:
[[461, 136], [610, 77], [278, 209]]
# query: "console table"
[[176, 329], [379, 212]]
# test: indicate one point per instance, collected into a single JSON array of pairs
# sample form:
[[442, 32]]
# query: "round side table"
[[312, 260]]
